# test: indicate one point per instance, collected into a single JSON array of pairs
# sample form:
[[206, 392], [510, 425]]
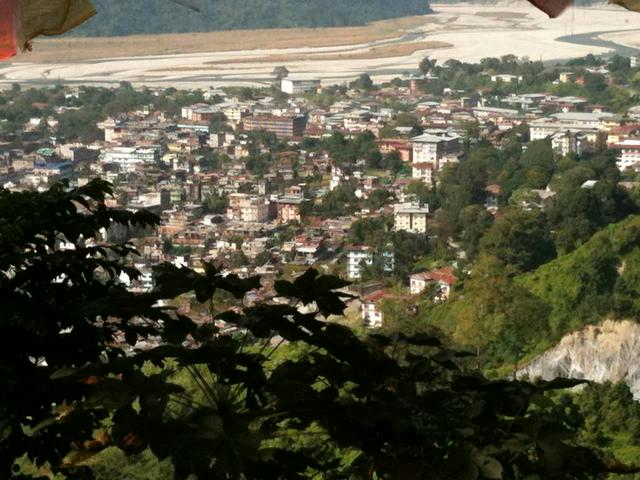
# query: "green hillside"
[[508, 316], [124, 17], [598, 279]]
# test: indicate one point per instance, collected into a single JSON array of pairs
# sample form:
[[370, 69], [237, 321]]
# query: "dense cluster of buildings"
[[195, 171]]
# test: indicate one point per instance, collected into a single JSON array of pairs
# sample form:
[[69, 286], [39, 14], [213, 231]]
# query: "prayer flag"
[[553, 8], [23, 20]]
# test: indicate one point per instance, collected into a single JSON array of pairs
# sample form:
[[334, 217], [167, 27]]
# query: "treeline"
[[121, 17], [607, 89]]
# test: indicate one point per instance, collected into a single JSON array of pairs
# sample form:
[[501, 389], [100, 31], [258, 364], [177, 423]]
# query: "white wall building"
[[569, 141], [629, 156], [294, 86], [410, 217], [356, 258], [129, 157], [431, 151]]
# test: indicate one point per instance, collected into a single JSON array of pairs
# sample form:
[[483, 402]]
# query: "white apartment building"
[[426, 172], [588, 123], [294, 86], [235, 113], [629, 156], [129, 157], [443, 279], [425, 149], [371, 310], [410, 217], [568, 141], [356, 258], [431, 151]]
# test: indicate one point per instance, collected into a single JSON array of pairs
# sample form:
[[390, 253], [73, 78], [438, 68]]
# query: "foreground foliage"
[[80, 374]]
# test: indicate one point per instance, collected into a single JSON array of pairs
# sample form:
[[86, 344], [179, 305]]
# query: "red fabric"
[[553, 8], [8, 28]]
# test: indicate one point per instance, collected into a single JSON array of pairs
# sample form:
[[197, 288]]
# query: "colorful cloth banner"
[[629, 4], [8, 28], [553, 8], [23, 20]]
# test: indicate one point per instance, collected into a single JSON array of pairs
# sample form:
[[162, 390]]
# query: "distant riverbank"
[[385, 50]]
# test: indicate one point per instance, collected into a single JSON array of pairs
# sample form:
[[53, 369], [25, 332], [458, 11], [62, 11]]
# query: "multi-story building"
[[431, 151], [289, 209], [569, 141], [288, 126], [426, 148], [294, 86], [424, 171], [588, 123], [356, 258], [400, 145], [372, 314], [129, 157], [248, 208], [443, 279], [629, 154], [411, 217], [235, 113]]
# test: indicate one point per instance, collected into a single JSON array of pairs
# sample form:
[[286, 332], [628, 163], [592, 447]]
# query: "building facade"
[[356, 258], [282, 127], [293, 86], [411, 217]]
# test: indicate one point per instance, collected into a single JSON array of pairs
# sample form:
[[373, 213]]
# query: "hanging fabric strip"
[[553, 8], [52, 17], [8, 28], [630, 4]]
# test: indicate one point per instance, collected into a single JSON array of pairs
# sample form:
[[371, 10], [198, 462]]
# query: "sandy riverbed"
[[463, 32]]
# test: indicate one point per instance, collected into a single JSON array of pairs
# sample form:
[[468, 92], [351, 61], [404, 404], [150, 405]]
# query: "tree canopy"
[[88, 365]]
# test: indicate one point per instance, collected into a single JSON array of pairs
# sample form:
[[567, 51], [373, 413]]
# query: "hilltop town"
[[396, 187]]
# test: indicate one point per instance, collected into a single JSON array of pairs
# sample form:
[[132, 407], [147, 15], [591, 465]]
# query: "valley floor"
[[384, 49]]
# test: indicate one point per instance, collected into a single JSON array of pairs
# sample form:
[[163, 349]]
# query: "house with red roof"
[[443, 279], [372, 315]]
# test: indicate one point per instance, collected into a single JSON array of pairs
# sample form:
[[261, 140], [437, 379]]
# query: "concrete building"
[[506, 78], [432, 148], [356, 258], [289, 209], [294, 86], [130, 157], [283, 127], [248, 208], [425, 171], [569, 141], [400, 145], [494, 113], [629, 154], [431, 151], [372, 314], [410, 217], [443, 279], [588, 123]]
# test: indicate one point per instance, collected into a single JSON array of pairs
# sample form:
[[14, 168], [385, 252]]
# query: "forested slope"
[[598, 279], [123, 17], [508, 316]]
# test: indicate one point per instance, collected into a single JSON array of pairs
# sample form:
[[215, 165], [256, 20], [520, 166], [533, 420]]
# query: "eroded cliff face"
[[607, 352]]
